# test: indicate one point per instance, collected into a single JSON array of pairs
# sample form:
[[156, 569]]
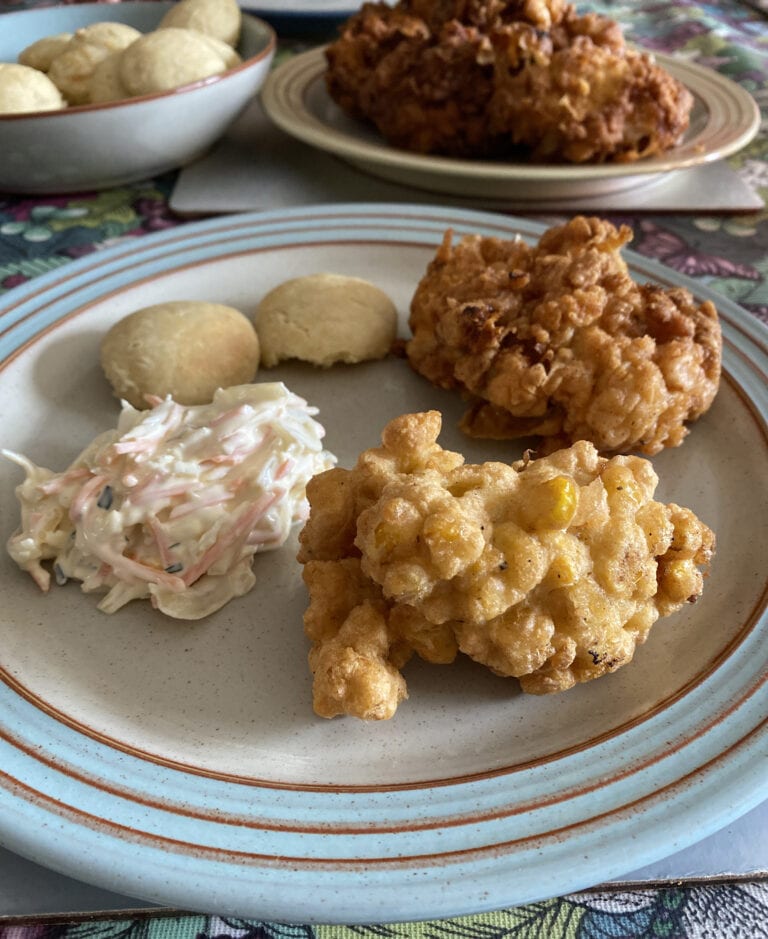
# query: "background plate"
[[301, 18], [182, 763], [303, 8], [725, 118]]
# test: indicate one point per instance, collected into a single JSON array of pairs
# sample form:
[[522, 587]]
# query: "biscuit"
[[24, 89], [105, 83], [325, 318], [219, 18], [114, 37], [169, 58], [229, 55], [40, 54], [183, 348], [71, 70]]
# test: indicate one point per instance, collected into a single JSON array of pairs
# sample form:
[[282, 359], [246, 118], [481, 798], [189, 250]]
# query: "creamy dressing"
[[174, 503]]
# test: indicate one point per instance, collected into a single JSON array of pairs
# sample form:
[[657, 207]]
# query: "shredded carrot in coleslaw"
[[174, 503]]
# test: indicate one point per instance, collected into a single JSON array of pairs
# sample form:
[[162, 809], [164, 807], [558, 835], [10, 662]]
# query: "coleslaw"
[[174, 503]]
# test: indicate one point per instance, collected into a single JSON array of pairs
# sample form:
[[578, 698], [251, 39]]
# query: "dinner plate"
[[182, 762], [300, 17], [311, 8], [724, 119]]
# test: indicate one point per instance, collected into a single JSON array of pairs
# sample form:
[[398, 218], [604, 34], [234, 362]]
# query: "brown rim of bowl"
[[269, 49]]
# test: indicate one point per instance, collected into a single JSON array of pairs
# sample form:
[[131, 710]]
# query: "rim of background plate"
[[285, 92]]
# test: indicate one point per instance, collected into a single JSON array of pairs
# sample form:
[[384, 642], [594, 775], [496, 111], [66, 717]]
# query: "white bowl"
[[101, 145]]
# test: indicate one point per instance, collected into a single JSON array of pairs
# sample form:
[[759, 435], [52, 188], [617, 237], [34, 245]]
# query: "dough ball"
[[219, 18], [105, 83], [325, 318], [25, 89], [114, 37], [183, 348], [72, 69], [41, 53], [228, 54], [169, 58]]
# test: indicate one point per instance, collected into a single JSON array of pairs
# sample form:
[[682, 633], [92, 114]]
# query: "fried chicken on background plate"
[[528, 79], [556, 340], [550, 570]]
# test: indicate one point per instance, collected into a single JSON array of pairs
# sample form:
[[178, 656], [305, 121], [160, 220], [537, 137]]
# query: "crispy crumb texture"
[[557, 340], [517, 78], [551, 570]]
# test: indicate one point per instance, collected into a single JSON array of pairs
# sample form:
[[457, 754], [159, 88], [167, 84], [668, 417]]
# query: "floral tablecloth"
[[725, 911], [730, 253]]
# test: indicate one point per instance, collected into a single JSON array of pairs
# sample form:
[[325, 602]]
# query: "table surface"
[[728, 252]]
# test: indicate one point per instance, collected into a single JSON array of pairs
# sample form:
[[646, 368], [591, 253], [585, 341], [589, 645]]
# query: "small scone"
[[170, 58], [183, 348], [25, 89], [325, 318], [219, 18], [40, 54], [105, 83], [71, 70], [230, 56]]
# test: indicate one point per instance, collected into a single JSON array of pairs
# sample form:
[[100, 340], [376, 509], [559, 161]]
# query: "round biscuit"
[[324, 319], [114, 37], [105, 83], [24, 89], [228, 54], [221, 19], [72, 69], [41, 53], [168, 58], [183, 348]]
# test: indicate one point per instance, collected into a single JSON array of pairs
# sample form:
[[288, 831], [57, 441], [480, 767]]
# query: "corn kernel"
[[565, 497], [398, 525], [442, 528], [680, 579], [620, 483], [552, 504], [453, 542], [562, 572], [386, 537]]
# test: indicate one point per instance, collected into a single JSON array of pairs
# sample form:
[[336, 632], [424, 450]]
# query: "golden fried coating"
[[587, 103], [551, 571], [557, 340], [366, 39], [486, 78]]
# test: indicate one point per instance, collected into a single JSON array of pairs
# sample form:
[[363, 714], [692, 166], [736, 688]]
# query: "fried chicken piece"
[[366, 39], [487, 14], [485, 78], [422, 72], [426, 92], [588, 103], [433, 97], [600, 30], [557, 340], [550, 570]]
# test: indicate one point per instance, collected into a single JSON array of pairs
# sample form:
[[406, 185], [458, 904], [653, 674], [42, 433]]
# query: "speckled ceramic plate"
[[182, 762], [725, 118]]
